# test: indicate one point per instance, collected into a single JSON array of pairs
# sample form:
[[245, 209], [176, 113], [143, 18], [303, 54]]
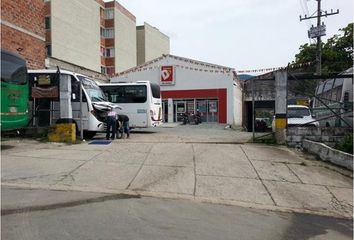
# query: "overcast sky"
[[242, 34]]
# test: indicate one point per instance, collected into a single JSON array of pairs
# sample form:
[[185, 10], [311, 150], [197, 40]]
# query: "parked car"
[[299, 115]]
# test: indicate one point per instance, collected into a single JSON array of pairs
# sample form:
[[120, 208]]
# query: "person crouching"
[[125, 120]]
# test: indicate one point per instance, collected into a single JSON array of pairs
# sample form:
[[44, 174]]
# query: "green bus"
[[14, 92]]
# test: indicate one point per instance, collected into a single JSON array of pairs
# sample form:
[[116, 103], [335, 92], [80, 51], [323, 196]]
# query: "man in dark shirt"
[[125, 120]]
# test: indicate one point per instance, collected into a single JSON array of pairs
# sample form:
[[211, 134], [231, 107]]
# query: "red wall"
[[220, 94]]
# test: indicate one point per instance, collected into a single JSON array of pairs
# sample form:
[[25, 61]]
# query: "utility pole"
[[318, 31]]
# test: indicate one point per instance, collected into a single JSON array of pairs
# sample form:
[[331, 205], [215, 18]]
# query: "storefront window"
[[213, 111], [208, 109]]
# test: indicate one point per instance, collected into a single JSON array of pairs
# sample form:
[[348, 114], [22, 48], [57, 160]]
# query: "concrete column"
[[281, 83], [65, 98], [170, 110]]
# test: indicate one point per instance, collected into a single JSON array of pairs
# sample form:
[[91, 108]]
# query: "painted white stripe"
[[21, 30]]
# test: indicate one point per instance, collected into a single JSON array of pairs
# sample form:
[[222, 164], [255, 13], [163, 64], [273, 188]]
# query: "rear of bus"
[[139, 101], [14, 92], [156, 105]]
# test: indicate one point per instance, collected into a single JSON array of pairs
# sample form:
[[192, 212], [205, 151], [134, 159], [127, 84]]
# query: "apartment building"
[[118, 38], [90, 35], [151, 43], [22, 30]]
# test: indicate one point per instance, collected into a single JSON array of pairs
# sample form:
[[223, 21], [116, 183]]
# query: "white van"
[[299, 115]]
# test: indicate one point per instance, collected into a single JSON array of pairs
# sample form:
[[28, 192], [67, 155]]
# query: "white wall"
[[76, 32], [237, 99], [124, 41], [156, 43], [140, 45], [151, 43], [187, 79]]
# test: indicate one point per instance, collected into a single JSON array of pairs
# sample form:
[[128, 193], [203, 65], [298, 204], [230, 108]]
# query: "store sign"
[[167, 75]]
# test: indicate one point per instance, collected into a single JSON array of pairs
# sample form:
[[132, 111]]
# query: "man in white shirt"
[[111, 124]]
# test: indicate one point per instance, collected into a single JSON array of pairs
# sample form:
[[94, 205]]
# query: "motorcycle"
[[185, 118], [195, 118]]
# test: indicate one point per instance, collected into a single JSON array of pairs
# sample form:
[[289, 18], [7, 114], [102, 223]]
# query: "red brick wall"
[[31, 48], [28, 15], [47, 9], [109, 23], [107, 42], [108, 62], [125, 11]]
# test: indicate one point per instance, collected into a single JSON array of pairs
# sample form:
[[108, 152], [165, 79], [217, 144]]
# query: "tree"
[[337, 52]]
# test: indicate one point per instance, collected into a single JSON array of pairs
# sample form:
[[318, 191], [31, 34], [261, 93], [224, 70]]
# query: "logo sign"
[[167, 75]]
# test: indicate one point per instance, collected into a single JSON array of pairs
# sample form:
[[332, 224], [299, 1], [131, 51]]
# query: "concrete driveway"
[[204, 163]]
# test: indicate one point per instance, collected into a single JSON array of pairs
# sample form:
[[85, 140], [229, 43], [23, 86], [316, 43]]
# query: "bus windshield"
[[13, 70], [93, 90]]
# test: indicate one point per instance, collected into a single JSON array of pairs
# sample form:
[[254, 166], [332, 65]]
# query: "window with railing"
[[109, 52], [108, 13], [107, 32]]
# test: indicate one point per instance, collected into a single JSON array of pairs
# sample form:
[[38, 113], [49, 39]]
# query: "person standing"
[[111, 124], [125, 120]]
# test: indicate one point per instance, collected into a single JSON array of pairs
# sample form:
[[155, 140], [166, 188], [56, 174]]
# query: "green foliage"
[[346, 145], [337, 52], [304, 88]]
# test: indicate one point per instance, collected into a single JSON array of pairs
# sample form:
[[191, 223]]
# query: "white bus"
[[336, 93], [140, 101], [46, 110]]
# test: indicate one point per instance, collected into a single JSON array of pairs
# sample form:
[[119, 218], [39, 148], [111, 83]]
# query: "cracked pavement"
[[204, 163]]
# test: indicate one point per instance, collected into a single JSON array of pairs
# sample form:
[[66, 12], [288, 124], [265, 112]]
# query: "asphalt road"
[[44, 214]]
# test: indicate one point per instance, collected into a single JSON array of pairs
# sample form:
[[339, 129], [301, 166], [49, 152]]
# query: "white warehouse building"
[[188, 86]]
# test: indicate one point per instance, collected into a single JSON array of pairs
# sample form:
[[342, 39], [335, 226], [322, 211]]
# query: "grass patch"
[[346, 144]]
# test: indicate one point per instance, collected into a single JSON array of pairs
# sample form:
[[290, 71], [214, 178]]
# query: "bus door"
[[75, 104], [44, 91]]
